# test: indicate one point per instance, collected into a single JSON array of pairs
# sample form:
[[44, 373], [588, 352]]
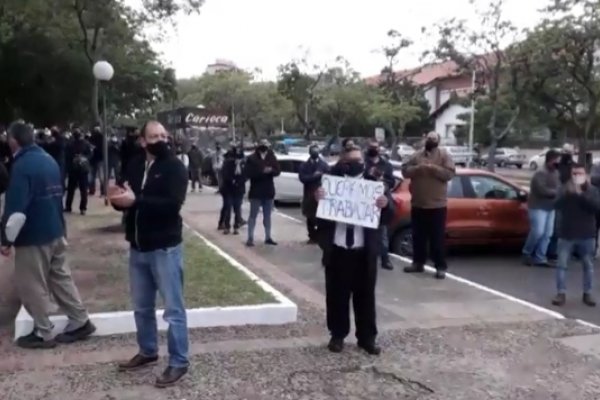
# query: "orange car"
[[483, 209]]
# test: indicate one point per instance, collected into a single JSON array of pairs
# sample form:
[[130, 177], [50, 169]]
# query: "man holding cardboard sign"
[[350, 211]]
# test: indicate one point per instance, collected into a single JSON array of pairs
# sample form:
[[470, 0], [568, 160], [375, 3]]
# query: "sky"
[[266, 33]]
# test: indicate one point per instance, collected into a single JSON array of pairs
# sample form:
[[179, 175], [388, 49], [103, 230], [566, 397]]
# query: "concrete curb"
[[284, 311]]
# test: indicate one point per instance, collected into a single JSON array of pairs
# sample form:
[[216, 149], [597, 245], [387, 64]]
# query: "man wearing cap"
[[261, 169], [33, 224], [429, 170]]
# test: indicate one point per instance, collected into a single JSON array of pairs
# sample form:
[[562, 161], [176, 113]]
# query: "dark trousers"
[[195, 178], [223, 211], [232, 203], [311, 227], [429, 232], [349, 275], [97, 171], [81, 182]]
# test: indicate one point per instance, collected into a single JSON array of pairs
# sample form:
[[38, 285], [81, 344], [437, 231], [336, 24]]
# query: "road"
[[504, 272]]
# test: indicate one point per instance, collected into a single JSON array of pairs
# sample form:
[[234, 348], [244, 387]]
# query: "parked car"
[[288, 188], [483, 209], [506, 157], [405, 151], [538, 160], [460, 155]]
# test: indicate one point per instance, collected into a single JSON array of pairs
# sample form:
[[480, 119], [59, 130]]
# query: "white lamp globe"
[[103, 71]]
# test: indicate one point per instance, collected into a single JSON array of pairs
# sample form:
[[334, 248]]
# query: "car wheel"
[[502, 164], [519, 166], [402, 243], [533, 166]]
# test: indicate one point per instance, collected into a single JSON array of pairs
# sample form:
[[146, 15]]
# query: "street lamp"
[[103, 72]]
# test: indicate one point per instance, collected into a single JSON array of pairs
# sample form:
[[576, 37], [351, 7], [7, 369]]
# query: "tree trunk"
[[394, 153], [491, 162]]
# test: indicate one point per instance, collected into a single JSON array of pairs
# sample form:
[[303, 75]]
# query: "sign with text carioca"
[[350, 200]]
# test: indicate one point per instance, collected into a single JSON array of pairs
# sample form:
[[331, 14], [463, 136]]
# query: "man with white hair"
[[429, 169]]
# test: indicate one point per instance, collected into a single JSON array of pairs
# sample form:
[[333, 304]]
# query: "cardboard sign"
[[350, 200]]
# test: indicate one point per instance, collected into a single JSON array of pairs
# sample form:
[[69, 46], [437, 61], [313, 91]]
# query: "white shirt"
[[339, 238], [148, 165]]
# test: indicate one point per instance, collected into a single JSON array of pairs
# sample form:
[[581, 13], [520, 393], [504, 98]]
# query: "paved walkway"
[[442, 340]]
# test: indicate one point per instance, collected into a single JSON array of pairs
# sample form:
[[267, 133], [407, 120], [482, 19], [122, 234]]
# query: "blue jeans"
[[385, 243], [541, 228], [585, 250], [267, 208], [162, 271]]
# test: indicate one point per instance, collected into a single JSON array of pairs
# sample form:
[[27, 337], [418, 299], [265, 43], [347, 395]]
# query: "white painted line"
[[506, 296], [284, 311], [284, 215]]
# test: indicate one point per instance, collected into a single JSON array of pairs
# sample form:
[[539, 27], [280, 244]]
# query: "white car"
[[460, 155], [538, 160], [288, 188], [405, 151]]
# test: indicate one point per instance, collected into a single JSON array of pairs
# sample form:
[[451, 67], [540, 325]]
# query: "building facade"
[[221, 65]]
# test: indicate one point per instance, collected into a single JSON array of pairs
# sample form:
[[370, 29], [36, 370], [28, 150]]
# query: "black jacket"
[[78, 156], [261, 182], [154, 221], [381, 170], [97, 140], [129, 150], [326, 233], [578, 213], [233, 174], [565, 165], [311, 182]]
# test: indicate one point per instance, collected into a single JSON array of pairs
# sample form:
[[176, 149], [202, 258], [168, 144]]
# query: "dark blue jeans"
[[267, 209], [162, 271], [584, 248], [232, 203]]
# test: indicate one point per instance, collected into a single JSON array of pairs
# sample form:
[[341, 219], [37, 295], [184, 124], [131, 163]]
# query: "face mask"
[[579, 179], [314, 155], [262, 149], [77, 136], [158, 149], [372, 152], [353, 168], [430, 145]]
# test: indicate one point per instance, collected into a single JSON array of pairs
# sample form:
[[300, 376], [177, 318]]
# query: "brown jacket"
[[429, 173]]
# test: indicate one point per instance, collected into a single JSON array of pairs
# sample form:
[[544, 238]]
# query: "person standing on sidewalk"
[[350, 259], [378, 168], [234, 188], [33, 224], [217, 164], [429, 170], [195, 156], [261, 168], [542, 195], [153, 193], [79, 152], [578, 202], [310, 175], [97, 161]]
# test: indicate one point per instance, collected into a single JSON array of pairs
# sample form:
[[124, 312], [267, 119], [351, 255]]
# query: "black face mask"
[[352, 168], [263, 149], [77, 136], [159, 149], [430, 145], [373, 152], [314, 155]]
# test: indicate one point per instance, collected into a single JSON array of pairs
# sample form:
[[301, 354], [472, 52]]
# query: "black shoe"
[[588, 300], [137, 362], [311, 241], [249, 243], [387, 264], [271, 242], [68, 210], [336, 345], [82, 212], [414, 269], [370, 347], [236, 231], [440, 274], [33, 341], [220, 227], [526, 260], [226, 231], [559, 300], [78, 334], [170, 376]]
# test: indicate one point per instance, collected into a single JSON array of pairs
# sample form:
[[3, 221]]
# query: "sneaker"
[[226, 231], [527, 261], [311, 242], [336, 345], [137, 362], [414, 269], [82, 212], [370, 347], [387, 264], [589, 300], [33, 341], [559, 300], [77, 334], [68, 210], [250, 243], [236, 231], [440, 274], [170, 376], [271, 242]]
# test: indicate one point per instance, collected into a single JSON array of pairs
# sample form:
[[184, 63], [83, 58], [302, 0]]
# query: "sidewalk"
[[441, 341]]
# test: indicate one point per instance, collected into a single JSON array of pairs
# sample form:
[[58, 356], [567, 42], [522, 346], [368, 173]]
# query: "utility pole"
[[472, 122]]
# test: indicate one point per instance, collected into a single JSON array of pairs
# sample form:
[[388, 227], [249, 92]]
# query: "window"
[[487, 187], [286, 166], [455, 188]]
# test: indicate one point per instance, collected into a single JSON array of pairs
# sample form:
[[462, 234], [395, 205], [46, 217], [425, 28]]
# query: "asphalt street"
[[503, 271]]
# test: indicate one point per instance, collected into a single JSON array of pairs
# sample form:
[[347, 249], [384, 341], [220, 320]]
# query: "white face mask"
[[579, 179]]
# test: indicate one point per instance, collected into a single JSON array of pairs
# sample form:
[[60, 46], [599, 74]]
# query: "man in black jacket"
[[130, 149], [153, 193], [97, 161], [378, 168], [233, 187], [310, 175], [350, 258], [78, 157], [56, 148], [261, 168]]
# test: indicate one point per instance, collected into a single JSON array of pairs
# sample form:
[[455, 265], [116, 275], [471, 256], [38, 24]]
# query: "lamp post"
[[103, 72]]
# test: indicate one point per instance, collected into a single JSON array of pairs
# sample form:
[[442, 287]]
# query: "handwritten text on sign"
[[350, 200]]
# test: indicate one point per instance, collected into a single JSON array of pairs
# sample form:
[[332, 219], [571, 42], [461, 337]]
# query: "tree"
[[298, 85], [481, 52], [559, 60]]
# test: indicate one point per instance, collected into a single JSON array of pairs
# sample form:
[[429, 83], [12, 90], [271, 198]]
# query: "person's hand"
[[320, 194], [381, 202], [268, 170], [318, 173], [124, 199], [5, 251]]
